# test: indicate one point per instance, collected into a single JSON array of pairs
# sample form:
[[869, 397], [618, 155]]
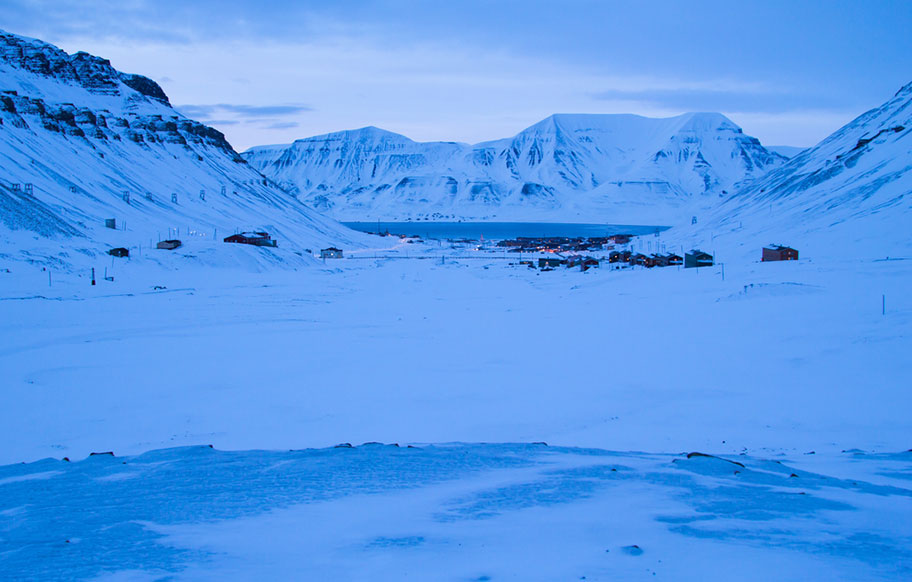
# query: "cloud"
[[205, 112], [283, 125], [435, 70], [222, 122], [722, 98]]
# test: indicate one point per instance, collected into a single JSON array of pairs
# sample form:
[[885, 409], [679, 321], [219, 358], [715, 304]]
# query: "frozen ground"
[[773, 363], [456, 512]]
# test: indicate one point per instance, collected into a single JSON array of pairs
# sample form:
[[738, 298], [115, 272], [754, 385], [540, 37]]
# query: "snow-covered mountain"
[[599, 168], [850, 195], [785, 151], [81, 142]]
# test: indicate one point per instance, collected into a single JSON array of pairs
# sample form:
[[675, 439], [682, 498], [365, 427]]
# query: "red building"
[[779, 253]]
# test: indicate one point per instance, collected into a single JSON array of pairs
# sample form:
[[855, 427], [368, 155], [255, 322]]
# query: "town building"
[[550, 262], [168, 245], [259, 238], [697, 258], [779, 253]]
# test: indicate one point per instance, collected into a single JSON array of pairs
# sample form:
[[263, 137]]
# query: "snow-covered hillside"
[[850, 195], [81, 143], [786, 151], [597, 168]]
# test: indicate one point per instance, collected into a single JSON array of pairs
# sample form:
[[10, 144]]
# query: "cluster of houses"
[[693, 259], [563, 244], [617, 257]]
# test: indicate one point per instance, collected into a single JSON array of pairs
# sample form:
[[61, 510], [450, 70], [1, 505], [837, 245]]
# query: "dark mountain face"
[[90, 72]]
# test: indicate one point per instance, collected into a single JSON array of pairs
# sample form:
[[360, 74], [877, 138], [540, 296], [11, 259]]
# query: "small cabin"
[[331, 253], [119, 252], [259, 239], [588, 262], [637, 259], [620, 239], [583, 262], [669, 260], [619, 257], [697, 258], [779, 253], [550, 262], [168, 245]]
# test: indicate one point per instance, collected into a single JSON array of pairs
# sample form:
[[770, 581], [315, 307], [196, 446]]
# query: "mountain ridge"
[[851, 193], [81, 143], [564, 165]]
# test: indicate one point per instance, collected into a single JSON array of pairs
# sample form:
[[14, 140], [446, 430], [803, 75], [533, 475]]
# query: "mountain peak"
[[30, 58], [361, 134], [560, 165]]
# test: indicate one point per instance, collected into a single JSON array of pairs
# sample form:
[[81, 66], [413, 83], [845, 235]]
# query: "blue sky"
[[271, 72]]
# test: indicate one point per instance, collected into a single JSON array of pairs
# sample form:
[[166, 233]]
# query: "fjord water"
[[501, 230]]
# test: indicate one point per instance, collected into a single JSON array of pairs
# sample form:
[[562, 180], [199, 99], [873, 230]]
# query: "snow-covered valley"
[[788, 368], [496, 421]]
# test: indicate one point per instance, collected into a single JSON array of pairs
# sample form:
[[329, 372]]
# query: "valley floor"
[[787, 368]]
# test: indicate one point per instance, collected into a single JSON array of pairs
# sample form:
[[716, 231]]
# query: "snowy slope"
[[786, 151], [600, 168], [850, 195], [95, 144]]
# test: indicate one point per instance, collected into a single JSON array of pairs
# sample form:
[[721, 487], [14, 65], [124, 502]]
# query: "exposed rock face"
[[132, 107], [145, 86], [81, 143], [82, 122], [90, 72]]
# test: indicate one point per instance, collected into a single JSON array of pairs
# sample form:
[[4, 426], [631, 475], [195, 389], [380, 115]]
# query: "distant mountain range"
[[81, 142], [572, 167]]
